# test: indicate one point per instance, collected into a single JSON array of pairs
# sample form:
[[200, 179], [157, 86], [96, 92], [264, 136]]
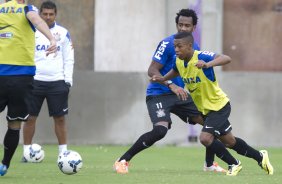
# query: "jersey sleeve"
[[162, 52], [68, 57], [206, 56], [29, 8]]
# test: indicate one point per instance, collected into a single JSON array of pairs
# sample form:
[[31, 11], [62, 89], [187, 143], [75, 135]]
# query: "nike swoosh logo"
[[1, 28], [208, 127], [65, 109], [191, 91]]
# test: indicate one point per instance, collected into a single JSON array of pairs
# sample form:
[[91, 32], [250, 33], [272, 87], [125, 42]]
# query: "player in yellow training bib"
[[196, 71]]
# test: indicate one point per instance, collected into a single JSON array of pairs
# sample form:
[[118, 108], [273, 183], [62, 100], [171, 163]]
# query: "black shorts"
[[160, 107], [217, 123], [13, 93], [56, 94]]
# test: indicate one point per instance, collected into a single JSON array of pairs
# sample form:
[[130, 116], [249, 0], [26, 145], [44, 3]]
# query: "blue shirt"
[[165, 55]]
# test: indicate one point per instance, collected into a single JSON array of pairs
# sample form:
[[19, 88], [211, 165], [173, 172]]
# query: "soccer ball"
[[69, 162], [34, 153]]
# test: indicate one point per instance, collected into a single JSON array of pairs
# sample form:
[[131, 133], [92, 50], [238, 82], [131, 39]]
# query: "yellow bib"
[[17, 40], [206, 94]]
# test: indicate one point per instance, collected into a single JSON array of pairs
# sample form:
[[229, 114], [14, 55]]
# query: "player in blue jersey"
[[161, 101], [17, 23], [196, 70]]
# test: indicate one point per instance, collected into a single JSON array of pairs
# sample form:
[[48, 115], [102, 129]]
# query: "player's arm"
[[68, 57], [41, 25], [154, 69], [165, 80], [218, 60]]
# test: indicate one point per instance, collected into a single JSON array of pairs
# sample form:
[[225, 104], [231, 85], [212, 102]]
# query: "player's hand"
[[179, 91], [157, 78], [201, 64], [52, 49]]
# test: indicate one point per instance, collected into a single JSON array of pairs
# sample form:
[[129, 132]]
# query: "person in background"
[[17, 68], [53, 79]]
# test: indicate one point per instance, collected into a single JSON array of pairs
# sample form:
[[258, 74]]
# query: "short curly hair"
[[187, 13]]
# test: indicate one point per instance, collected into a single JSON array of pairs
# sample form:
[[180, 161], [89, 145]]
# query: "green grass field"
[[157, 165]]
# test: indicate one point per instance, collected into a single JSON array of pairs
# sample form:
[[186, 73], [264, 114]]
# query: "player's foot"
[[121, 167], [233, 170], [214, 168], [265, 163], [3, 170]]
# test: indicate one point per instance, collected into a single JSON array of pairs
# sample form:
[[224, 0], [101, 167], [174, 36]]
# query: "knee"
[[15, 125], [159, 132], [206, 139], [231, 143]]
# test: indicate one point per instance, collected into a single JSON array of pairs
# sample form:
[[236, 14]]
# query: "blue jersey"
[[165, 55]]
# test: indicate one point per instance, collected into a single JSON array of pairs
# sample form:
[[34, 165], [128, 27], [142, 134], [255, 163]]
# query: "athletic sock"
[[62, 148], [26, 147], [221, 152], [11, 141], [209, 156], [242, 148], [145, 141]]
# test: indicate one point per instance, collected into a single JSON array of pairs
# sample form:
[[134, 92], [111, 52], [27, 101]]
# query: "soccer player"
[[53, 78], [161, 101], [17, 26], [196, 70]]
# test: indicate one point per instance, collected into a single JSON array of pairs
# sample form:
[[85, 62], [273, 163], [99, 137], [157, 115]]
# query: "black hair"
[[48, 5], [185, 35], [187, 13]]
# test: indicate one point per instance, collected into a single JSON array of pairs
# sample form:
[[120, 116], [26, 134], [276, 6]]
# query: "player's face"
[[48, 15], [183, 49], [185, 24]]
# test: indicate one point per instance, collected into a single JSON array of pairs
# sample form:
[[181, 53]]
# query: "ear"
[[194, 28]]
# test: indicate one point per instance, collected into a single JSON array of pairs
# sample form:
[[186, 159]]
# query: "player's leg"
[[216, 125], [14, 97], [57, 101], [61, 132], [159, 111], [34, 100], [242, 148], [28, 131], [188, 112]]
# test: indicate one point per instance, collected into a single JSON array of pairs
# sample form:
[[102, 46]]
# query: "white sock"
[[62, 148], [26, 147]]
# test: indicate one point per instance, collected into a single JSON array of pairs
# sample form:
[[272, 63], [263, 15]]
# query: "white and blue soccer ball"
[[34, 154], [69, 162]]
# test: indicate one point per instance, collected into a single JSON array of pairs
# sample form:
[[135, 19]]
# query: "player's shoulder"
[[169, 39], [205, 52], [204, 55], [60, 28]]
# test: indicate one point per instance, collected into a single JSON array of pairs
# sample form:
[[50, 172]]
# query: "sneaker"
[[233, 170], [214, 168], [3, 170], [121, 167], [265, 163]]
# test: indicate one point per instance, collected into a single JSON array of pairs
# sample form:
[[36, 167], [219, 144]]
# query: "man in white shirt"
[[52, 80]]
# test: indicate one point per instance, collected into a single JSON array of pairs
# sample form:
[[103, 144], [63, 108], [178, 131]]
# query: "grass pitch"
[[156, 165]]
